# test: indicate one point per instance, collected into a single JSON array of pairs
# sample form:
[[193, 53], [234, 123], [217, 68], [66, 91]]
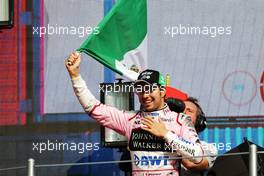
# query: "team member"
[[194, 110], [152, 155]]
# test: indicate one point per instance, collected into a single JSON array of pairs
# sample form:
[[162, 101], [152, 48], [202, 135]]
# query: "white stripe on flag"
[[136, 57]]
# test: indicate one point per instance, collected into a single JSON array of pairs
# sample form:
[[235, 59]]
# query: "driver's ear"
[[162, 92]]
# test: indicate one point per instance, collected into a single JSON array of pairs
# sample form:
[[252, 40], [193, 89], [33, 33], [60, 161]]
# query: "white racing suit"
[[151, 155]]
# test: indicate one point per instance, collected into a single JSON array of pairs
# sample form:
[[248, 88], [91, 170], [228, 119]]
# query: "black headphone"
[[175, 105], [178, 106], [200, 123]]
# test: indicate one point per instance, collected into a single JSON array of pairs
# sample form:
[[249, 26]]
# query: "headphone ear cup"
[[175, 105], [200, 123]]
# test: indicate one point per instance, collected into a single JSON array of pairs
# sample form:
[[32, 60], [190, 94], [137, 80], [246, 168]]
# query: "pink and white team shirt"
[[151, 155]]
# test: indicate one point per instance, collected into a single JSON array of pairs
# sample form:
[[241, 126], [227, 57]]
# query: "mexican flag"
[[121, 41]]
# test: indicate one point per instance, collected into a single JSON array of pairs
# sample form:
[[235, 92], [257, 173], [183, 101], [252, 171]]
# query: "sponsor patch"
[[141, 140], [151, 160]]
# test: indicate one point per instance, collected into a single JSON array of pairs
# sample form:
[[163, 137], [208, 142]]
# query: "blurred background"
[[212, 50]]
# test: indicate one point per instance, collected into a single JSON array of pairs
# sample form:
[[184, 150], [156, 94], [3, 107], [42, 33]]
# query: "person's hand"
[[72, 64], [203, 165], [156, 128]]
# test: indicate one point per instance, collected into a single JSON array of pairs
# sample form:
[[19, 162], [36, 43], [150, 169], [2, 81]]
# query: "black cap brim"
[[141, 82]]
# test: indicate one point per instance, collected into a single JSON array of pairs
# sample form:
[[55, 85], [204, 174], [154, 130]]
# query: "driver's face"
[[191, 110], [151, 97]]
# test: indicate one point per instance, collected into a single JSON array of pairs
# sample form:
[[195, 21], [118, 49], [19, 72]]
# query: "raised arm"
[[106, 115]]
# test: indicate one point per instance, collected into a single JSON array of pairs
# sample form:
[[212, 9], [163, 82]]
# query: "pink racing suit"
[[151, 158]]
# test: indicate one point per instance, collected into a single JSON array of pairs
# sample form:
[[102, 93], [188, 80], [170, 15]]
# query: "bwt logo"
[[151, 160]]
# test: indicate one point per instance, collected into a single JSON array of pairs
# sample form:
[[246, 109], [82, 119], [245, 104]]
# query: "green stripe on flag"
[[122, 30]]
